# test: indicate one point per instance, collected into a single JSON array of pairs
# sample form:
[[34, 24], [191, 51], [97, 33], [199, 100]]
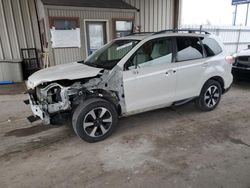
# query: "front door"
[[96, 35], [149, 76]]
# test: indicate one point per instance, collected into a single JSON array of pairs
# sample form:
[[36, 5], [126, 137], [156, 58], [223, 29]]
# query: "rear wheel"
[[210, 96], [94, 120]]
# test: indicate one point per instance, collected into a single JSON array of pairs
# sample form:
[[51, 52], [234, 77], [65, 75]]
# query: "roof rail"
[[182, 30], [140, 33]]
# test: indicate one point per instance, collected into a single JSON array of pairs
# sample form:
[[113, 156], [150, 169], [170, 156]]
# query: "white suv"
[[130, 75]]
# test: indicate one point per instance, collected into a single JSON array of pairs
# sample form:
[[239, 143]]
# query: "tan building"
[[70, 30]]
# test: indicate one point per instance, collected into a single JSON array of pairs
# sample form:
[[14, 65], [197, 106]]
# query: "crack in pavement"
[[238, 141]]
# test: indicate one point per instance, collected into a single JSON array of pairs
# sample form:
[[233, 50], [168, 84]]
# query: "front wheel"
[[94, 120], [210, 96]]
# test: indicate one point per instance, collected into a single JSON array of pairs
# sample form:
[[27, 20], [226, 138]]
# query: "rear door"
[[191, 66], [149, 76]]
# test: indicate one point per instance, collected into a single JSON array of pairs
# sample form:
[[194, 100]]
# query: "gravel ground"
[[171, 147]]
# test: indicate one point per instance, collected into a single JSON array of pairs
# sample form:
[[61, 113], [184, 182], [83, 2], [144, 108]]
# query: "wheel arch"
[[109, 96], [218, 79]]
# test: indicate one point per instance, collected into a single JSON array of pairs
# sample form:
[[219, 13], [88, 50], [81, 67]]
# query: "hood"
[[70, 71]]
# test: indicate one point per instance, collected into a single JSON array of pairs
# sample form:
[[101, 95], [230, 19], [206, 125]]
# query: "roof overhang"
[[107, 4]]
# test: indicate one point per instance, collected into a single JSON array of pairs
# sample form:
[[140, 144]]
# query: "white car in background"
[[133, 74], [241, 65]]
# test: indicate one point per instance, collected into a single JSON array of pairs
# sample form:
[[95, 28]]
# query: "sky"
[[215, 12]]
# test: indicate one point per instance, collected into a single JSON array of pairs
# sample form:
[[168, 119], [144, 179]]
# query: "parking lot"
[[170, 147]]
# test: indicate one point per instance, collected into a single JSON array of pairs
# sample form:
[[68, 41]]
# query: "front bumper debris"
[[32, 118], [38, 112]]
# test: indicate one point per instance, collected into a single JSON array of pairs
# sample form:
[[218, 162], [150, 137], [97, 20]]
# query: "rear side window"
[[188, 48], [211, 47]]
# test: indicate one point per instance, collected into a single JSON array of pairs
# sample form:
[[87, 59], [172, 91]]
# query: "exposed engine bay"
[[50, 98]]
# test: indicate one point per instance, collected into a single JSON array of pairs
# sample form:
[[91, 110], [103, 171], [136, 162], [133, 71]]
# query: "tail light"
[[230, 59]]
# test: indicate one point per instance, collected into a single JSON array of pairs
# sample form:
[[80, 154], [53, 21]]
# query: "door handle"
[[135, 71], [171, 71], [204, 65]]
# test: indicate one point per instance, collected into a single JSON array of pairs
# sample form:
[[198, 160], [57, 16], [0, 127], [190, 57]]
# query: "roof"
[[115, 4]]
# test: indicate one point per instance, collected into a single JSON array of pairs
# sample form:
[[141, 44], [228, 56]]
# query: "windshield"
[[108, 56]]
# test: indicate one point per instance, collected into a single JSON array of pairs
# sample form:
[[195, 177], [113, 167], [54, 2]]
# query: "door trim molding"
[[85, 31]]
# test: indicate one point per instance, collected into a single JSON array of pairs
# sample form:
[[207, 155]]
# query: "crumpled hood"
[[70, 71]]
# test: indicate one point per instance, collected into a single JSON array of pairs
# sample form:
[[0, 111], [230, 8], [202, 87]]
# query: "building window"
[[65, 32], [122, 27], [64, 23]]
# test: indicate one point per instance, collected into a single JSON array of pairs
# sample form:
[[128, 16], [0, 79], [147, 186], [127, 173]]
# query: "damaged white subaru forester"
[[133, 74]]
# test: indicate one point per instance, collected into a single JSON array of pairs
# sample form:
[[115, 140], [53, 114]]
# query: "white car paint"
[[198, 72], [244, 53], [70, 71], [149, 87]]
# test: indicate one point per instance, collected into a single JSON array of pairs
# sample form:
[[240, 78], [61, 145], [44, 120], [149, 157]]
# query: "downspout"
[[176, 15], [39, 27]]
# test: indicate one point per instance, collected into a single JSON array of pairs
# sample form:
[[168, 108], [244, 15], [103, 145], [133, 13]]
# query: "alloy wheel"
[[212, 96], [97, 122]]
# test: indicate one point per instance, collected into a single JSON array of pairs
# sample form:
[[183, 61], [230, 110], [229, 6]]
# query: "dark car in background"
[[241, 66]]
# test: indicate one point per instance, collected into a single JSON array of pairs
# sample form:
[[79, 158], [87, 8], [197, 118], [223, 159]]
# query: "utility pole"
[[235, 15], [247, 14]]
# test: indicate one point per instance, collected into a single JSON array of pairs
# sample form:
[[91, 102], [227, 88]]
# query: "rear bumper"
[[227, 89]]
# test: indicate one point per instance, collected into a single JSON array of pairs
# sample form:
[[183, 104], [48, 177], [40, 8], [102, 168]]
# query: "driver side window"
[[152, 53]]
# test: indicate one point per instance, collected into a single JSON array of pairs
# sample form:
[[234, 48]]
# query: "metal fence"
[[235, 38]]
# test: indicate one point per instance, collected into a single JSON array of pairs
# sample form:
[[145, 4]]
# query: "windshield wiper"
[[82, 61], [92, 64]]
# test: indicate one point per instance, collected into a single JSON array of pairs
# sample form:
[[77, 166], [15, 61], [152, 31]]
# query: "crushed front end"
[[46, 101], [51, 98]]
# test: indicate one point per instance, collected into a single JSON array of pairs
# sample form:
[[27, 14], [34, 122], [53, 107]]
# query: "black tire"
[[83, 118], [207, 102]]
